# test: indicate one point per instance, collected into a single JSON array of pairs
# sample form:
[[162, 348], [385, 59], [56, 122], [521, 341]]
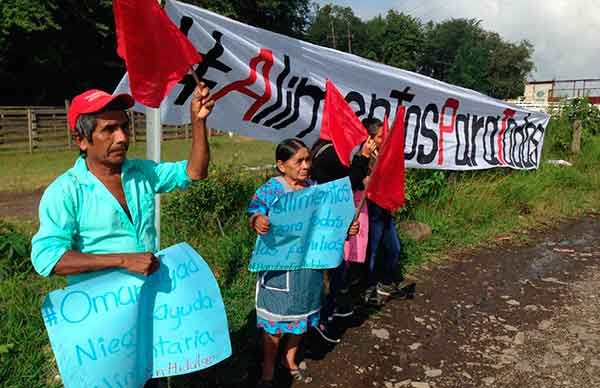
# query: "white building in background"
[[537, 91], [546, 95]]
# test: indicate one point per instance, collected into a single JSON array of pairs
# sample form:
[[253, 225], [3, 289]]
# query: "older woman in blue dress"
[[287, 302]]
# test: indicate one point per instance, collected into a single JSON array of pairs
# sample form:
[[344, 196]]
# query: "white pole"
[[153, 138]]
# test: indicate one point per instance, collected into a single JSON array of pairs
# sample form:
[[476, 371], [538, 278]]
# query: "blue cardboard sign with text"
[[308, 229], [119, 329]]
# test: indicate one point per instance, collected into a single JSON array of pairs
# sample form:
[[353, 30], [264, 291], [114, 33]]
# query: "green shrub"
[[211, 216], [212, 204], [422, 185], [589, 114], [557, 140], [559, 132], [14, 251]]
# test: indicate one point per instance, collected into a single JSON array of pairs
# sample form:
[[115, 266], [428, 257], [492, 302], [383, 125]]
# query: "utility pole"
[[332, 33], [349, 36]]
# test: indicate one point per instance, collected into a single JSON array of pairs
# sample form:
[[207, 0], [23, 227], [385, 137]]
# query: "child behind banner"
[[287, 302]]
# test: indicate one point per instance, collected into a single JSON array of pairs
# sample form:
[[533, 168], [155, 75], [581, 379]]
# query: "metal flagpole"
[[153, 138]]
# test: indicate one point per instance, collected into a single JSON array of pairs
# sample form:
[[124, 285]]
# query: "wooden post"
[[30, 130], [34, 129], [69, 135], [1, 121], [576, 139]]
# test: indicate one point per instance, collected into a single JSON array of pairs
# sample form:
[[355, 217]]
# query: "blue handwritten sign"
[[308, 229], [119, 329]]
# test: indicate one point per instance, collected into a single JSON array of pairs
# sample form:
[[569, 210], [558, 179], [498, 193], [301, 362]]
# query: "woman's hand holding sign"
[[261, 224]]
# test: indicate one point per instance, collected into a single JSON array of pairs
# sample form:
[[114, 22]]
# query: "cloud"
[[565, 34]]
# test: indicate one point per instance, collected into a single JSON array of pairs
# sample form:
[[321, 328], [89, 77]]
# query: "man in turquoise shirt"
[[99, 215]]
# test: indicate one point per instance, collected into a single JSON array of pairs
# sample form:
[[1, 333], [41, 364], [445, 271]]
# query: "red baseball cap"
[[93, 101]]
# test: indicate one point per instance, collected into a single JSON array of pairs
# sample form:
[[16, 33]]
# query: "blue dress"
[[286, 301]]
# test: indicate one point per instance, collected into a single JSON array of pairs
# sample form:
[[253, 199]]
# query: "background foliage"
[[458, 51], [53, 49]]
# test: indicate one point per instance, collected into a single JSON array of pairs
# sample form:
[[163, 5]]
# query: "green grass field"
[[23, 172], [471, 208]]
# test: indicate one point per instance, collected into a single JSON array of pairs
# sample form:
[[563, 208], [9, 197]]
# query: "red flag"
[[386, 128], [156, 53], [340, 124], [386, 185]]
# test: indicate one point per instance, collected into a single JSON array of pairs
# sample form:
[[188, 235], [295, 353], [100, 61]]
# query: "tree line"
[[53, 49]]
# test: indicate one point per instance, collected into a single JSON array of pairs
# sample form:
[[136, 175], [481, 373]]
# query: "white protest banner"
[[308, 229], [269, 86], [119, 329]]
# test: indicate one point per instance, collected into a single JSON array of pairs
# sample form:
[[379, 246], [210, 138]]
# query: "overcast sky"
[[565, 33]]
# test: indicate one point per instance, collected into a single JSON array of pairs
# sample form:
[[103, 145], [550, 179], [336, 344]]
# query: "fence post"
[[132, 126], [30, 130], [576, 140], [35, 136], [69, 136]]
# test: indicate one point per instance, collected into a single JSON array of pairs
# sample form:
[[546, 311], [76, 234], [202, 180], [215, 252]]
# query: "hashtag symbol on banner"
[[49, 316]]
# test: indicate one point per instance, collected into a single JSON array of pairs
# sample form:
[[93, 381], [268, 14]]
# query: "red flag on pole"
[[386, 128], [340, 124], [156, 53], [386, 185]]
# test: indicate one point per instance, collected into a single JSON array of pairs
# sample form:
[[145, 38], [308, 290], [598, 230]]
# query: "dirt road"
[[510, 315], [20, 205]]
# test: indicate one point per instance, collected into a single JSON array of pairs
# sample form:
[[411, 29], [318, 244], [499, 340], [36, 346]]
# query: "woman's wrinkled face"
[[297, 167]]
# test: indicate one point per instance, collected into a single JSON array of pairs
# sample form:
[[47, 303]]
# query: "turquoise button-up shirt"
[[77, 212]]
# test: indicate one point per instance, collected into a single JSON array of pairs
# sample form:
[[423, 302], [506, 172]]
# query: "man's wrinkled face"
[[110, 139]]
